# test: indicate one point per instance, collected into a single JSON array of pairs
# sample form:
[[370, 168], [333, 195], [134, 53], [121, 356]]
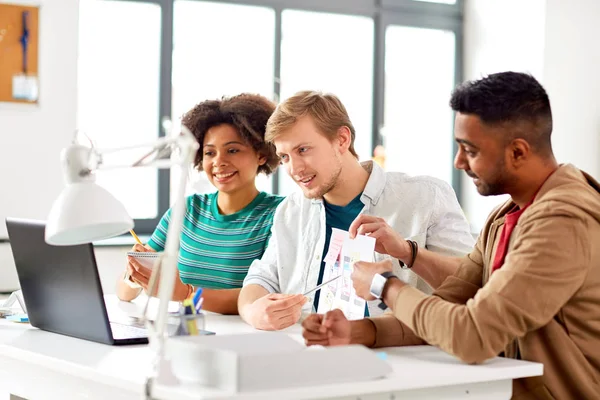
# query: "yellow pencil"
[[137, 239]]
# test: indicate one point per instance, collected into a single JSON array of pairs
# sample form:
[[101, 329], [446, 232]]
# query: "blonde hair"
[[326, 110]]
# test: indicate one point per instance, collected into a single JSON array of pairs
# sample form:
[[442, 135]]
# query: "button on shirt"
[[420, 208]]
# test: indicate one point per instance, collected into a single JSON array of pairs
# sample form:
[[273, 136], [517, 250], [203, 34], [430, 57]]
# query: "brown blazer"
[[543, 305]]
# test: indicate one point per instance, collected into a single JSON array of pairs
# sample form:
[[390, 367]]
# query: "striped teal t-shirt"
[[216, 250]]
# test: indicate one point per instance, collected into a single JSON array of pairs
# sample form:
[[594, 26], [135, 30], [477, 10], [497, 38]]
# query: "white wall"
[[572, 78], [500, 35], [33, 135], [555, 41]]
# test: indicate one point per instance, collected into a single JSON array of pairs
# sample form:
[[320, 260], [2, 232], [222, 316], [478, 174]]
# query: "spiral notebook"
[[147, 259]]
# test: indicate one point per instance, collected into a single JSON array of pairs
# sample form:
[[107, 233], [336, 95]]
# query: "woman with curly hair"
[[226, 230]]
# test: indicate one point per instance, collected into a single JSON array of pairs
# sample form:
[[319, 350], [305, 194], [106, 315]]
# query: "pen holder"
[[190, 324]]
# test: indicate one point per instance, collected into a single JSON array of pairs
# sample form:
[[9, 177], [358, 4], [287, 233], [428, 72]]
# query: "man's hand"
[[276, 311], [363, 274], [331, 329], [388, 241]]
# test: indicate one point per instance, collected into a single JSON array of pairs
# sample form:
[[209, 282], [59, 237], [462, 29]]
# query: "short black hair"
[[247, 113], [508, 97]]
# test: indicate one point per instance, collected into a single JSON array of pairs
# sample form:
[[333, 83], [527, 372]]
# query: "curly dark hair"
[[247, 113], [509, 97]]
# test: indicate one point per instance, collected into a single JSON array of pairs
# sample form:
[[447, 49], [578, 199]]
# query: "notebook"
[[147, 259]]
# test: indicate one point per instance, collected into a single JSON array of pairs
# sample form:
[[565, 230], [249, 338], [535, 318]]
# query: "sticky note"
[[335, 246], [25, 87]]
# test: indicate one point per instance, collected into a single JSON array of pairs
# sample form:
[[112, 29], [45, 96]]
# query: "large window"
[[220, 49], [119, 93], [393, 63], [419, 75], [335, 55]]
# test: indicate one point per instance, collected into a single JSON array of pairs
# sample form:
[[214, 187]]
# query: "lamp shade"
[[85, 212]]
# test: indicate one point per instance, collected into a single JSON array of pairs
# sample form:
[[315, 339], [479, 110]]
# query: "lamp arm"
[[188, 146], [168, 268], [156, 144], [80, 162]]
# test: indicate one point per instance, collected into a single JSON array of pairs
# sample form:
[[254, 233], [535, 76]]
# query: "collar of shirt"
[[374, 187]]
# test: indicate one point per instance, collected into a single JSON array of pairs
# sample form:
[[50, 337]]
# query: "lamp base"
[[252, 362]]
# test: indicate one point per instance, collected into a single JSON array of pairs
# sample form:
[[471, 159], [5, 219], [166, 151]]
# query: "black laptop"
[[62, 289]]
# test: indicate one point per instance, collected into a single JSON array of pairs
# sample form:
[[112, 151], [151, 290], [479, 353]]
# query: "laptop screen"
[[60, 284]]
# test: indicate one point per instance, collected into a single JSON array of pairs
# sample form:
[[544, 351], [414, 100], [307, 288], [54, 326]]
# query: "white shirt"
[[422, 208]]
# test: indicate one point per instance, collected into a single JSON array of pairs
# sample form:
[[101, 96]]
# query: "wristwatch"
[[378, 284]]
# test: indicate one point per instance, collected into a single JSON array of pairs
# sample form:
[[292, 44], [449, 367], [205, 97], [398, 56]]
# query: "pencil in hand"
[[127, 277], [137, 239]]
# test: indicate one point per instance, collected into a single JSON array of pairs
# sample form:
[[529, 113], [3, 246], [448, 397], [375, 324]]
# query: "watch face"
[[377, 285]]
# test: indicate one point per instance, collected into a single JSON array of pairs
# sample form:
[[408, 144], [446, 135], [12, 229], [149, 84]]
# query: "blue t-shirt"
[[339, 217]]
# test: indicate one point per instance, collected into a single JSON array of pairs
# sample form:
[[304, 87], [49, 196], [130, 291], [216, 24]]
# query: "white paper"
[[146, 258], [25, 88], [340, 293]]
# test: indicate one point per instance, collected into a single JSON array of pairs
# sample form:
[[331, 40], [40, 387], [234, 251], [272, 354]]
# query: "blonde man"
[[314, 138]]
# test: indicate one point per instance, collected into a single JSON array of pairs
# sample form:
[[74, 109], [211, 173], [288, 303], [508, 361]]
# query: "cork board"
[[11, 51]]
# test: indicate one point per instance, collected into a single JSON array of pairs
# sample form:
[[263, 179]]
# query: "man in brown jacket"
[[531, 287]]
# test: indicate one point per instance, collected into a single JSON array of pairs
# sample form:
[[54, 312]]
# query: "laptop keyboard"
[[126, 331], [121, 331]]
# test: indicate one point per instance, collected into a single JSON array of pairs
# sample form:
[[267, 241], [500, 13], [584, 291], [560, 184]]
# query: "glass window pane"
[[118, 89], [439, 1], [334, 55], [419, 77], [221, 49]]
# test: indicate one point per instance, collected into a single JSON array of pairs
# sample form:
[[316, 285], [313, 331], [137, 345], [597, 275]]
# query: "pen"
[[197, 297], [321, 285], [25, 40], [137, 239], [199, 305]]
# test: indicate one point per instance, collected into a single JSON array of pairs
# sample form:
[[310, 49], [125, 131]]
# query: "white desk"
[[41, 365]]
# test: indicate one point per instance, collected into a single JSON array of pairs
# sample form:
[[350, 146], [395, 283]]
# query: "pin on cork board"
[[19, 53]]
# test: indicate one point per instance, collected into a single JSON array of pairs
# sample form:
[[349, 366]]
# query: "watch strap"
[[388, 274]]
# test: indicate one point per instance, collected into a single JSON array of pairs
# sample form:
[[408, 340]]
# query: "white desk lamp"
[[85, 212]]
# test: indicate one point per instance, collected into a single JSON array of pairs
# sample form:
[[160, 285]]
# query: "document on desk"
[[343, 252]]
